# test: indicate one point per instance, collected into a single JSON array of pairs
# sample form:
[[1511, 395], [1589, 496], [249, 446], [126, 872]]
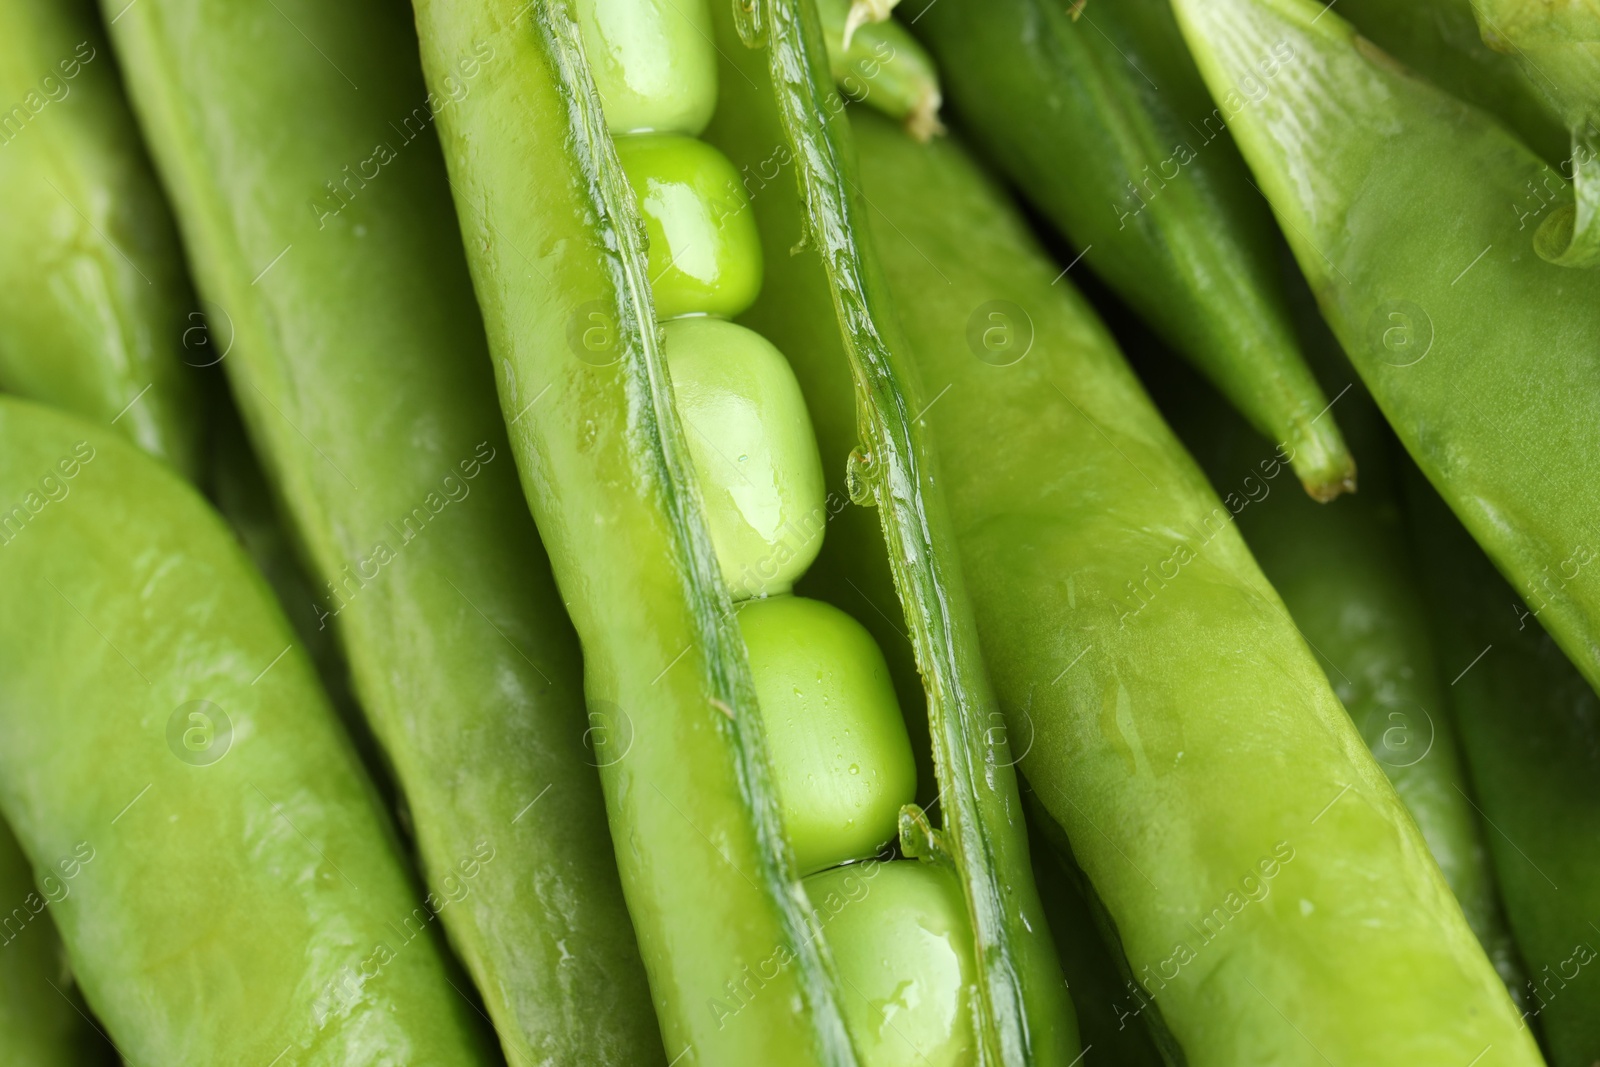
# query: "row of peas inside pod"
[[840, 754]]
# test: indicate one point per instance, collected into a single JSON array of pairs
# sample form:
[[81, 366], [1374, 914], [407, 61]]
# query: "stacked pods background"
[[602, 532]]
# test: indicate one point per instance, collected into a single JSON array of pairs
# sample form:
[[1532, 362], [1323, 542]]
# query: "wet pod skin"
[[899, 936], [1527, 722], [359, 365], [95, 308], [840, 756], [1102, 120], [754, 452], [705, 254], [1345, 572], [1487, 374], [555, 236], [1183, 735], [278, 938]]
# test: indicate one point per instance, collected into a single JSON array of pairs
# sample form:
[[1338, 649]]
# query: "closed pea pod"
[[1183, 735], [1417, 238], [358, 363], [278, 937], [659, 640]]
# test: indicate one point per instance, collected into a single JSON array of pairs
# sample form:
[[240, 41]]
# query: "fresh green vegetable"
[[883, 66], [1528, 725], [609, 477], [95, 309], [841, 761], [136, 627], [1402, 207], [1167, 714], [755, 457], [900, 936], [1097, 113], [1345, 572], [42, 1023], [359, 364], [705, 255], [652, 62]]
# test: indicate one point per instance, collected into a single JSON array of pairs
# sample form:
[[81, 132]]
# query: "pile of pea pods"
[[800, 533]]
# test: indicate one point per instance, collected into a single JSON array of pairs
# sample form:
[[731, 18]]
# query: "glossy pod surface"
[[95, 309], [1410, 214], [1528, 725], [360, 367], [1098, 114], [1346, 574], [278, 938], [1182, 733]]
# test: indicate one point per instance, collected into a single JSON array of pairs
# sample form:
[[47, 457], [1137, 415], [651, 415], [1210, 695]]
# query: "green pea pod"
[[93, 295], [1212, 787], [1344, 571], [554, 240], [358, 362], [228, 888], [1098, 114], [1527, 724], [41, 1021], [1439, 39], [1405, 209]]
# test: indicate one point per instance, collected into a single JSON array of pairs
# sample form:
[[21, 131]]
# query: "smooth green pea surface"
[[705, 253], [838, 746], [903, 947], [652, 62], [753, 450]]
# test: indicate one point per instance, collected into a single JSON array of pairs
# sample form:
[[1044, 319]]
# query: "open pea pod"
[[224, 878], [1399, 203], [95, 308], [1274, 899], [554, 238], [329, 246], [1096, 111], [1527, 722]]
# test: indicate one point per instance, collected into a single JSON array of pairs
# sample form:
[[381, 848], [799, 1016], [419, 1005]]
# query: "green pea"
[[903, 948], [838, 746], [652, 62], [705, 254], [753, 450]]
